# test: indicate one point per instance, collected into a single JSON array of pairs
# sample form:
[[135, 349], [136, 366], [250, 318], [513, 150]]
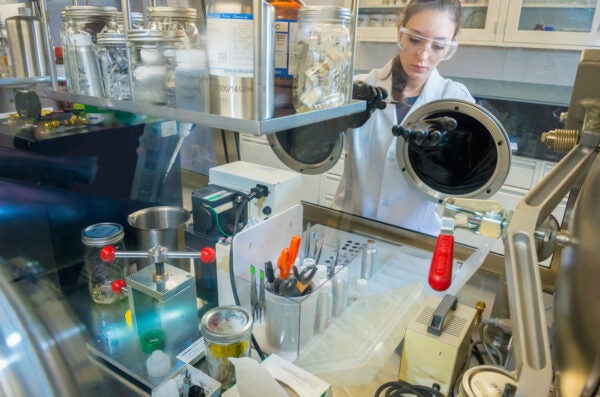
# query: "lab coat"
[[373, 184]]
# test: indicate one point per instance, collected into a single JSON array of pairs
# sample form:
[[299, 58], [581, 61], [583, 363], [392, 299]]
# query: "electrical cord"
[[253, 194], [401, 388]]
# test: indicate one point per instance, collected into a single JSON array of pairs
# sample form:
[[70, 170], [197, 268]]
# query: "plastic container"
[[227, 331], [290, 321], [358, 344], [101, 275], [322, 58]]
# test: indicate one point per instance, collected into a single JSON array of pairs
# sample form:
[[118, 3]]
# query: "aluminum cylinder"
[[27, 46]]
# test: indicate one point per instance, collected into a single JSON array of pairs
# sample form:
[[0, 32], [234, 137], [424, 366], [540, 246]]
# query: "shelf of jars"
[[254, 127]]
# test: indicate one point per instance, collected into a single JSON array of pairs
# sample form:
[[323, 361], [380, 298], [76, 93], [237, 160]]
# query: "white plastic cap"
[[158, 364], [360, 284]]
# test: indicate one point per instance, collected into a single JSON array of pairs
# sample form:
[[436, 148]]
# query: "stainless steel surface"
[[254, 127], [45, 353], [162, 225], [21, 81], [577, 348], [533, 362], [236, 95], [478, 121], [27, 46], [49, 46]]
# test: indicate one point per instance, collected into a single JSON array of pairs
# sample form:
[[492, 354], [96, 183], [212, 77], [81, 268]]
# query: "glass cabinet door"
[[479, 21], [377, 20], [553, 22]]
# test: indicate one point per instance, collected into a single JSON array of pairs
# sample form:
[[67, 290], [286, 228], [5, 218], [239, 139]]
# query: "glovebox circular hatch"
[[469, 159]]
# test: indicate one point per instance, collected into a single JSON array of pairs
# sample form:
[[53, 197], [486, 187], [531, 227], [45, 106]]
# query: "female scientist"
[[373, 184]]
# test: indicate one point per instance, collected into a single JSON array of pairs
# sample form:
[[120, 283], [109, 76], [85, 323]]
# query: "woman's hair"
[[452, 7]]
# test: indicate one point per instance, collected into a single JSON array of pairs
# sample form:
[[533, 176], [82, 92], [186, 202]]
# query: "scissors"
[[299, 284]]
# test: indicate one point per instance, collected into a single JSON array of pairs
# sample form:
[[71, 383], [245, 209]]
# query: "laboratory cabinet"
[[556, 24]]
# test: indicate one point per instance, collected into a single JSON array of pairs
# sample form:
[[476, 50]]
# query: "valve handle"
[[118, 285], [208, 255], [107, 253], [440, 271]]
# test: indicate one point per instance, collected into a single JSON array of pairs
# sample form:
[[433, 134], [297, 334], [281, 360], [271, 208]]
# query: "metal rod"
[[48, 43]]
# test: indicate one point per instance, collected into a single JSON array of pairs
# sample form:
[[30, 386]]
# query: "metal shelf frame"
[[257, 125]]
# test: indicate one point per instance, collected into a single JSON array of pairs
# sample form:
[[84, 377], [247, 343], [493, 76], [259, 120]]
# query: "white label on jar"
[[230, 40], [285, 37]]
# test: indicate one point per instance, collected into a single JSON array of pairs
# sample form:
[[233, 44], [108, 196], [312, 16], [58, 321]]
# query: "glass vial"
[[286, 26], [322, 57], [102, 274]]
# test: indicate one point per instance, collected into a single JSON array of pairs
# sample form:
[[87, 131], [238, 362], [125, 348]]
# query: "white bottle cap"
[[158, 364]]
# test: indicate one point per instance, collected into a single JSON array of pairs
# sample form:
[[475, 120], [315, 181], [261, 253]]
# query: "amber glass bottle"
[[286, 17]]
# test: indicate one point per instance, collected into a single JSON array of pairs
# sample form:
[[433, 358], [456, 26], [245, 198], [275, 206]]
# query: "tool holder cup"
[[290, 321]]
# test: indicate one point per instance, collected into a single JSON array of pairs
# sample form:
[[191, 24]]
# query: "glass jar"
[[175, 18], [227, 331], [101, 275], [111, 50], [192, 81], [79, 30], [322, 57], [153, 62]]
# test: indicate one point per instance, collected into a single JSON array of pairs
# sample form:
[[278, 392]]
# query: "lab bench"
[[90, 325]]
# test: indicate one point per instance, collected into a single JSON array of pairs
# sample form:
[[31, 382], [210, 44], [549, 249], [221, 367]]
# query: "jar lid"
[[226, 324], [175, 12], [87, 11], [102, 234], [332, 13], [111, 38], [153, 36]]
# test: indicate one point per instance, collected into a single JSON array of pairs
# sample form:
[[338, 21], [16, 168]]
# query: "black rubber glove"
[[375, 100]]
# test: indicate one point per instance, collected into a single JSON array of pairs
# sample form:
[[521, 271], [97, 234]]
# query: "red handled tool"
[[440, 271]]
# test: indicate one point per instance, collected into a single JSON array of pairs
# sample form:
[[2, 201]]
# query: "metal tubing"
[[48, 43]]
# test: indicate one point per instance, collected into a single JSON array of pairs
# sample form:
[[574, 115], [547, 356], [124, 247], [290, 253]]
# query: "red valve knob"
[[208, 255], [107, 253], [440, 271], [117, 285]]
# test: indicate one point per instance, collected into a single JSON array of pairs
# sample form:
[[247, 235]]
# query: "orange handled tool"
[[294, 248], [440, 271], [282, 263]]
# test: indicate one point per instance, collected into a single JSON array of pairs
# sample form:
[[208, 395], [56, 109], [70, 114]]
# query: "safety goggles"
[[414, 43]]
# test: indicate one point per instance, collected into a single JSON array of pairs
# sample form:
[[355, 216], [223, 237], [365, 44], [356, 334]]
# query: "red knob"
[[107, 254], [440, 271], [117, 285], [208, 255]]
